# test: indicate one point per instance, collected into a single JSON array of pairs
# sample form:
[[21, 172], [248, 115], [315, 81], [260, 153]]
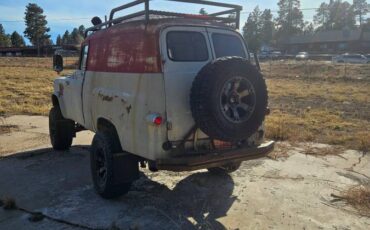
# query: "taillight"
[[158, 120], [154, 119]]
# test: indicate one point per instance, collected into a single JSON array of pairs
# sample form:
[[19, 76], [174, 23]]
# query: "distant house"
[[335, 41]]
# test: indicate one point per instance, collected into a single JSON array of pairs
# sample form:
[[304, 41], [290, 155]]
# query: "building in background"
[[335, 41]]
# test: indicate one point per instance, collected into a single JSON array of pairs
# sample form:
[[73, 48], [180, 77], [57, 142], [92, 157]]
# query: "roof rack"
[[233, 14]]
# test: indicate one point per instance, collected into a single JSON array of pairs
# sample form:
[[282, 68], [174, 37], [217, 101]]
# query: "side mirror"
[[58, 63]]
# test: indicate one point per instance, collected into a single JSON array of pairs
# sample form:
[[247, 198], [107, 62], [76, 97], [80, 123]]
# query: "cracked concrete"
[[294, 192]]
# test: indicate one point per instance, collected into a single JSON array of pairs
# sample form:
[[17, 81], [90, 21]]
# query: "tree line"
[[37, 31], [262, 29]]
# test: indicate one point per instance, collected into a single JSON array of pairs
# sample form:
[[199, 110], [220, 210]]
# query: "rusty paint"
[[128, 49], [105, 97], [128, 109]]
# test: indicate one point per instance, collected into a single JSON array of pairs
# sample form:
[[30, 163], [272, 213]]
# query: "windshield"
[[227, 45]]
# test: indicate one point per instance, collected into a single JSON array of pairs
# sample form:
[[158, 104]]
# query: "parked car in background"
[[275, 55], [302, 56], [351, 58], [367, 56], [263, 55]]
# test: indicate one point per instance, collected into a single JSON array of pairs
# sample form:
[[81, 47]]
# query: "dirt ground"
[[293, 189]]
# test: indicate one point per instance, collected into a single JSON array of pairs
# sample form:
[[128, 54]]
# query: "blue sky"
[[67, 14]]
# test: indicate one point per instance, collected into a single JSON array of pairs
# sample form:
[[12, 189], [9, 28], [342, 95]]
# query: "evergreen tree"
[[322, 16], [81, 30], [4, 38], [360, 8], [290, 18], [75, 37], [336, 15], [309, 28], [65, 38], [252, 29], [267, 29], [59, 40], [36, 26], [17, 40]]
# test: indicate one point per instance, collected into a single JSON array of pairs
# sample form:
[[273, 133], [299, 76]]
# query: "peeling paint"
[[128, 109], [109, 95]]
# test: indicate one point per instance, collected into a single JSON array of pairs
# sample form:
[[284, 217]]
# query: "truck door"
[[73, 89], [185, 50]]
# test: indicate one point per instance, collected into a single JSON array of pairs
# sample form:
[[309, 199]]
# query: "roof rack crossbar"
[[235, 9], [210, 3]]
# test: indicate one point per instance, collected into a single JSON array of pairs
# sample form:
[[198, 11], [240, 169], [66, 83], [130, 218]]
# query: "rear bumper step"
[[216, 159]]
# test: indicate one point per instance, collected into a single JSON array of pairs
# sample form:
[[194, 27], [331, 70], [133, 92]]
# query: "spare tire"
[[229, 99]]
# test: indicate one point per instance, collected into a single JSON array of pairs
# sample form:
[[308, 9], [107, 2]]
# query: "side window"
[[227, 45], [186, 46], [84, 52]]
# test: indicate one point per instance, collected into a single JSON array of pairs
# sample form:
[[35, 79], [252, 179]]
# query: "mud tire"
[[106, 145], [61, 130], [207, 90]]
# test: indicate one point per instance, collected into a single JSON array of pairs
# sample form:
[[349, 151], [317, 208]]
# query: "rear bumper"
[[214, 159]]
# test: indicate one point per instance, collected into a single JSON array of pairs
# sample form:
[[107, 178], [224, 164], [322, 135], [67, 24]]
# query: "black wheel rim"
[[101, 168], [238, 99]]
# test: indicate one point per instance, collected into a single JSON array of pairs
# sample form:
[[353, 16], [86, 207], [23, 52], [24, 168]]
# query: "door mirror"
[[58, 63]]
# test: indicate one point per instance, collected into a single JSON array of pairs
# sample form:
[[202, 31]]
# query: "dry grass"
[[359, 198], [309, 102], [26, 85]]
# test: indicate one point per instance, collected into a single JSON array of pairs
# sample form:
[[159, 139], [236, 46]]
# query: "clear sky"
[[66, 14]]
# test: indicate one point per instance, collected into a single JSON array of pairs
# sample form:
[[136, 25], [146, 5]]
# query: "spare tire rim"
[[238, 99]]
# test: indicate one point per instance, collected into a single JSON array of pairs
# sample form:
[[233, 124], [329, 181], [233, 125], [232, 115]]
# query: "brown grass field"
[[309, 101]]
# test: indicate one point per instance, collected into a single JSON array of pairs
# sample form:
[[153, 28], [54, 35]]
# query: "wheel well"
[[104, 125], [55, 101]]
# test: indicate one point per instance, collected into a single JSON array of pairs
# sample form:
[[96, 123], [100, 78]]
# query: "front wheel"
[[61, 130]]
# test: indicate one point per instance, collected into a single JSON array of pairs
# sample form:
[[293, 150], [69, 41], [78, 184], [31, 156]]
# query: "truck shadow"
[[161, 200], [195, 202]]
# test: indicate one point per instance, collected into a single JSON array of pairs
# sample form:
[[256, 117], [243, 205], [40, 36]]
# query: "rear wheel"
[[112, 171], [61, 130]]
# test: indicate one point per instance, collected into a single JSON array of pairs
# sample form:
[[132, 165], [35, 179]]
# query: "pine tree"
[[75, 37], [252, 29], [4, 38], [360, 8], [290, 18], [267, 29], [65, 38], [81, 30], [336, 15], [16, 39], [59, 40], [36, 26], [322, 16]]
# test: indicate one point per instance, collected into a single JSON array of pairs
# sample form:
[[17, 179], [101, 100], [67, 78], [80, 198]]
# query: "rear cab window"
[[227, 45], [186, 46]]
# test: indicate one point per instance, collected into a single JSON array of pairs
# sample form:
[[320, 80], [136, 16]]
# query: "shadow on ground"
[[58, 184]]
